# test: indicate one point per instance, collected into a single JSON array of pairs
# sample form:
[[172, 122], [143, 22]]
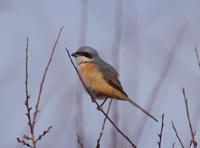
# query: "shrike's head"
[[85, 54]]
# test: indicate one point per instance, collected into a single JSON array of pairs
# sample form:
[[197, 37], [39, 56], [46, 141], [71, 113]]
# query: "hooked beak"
[[74, 54]]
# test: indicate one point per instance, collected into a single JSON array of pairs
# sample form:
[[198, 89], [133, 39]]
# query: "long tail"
[[139, 107]]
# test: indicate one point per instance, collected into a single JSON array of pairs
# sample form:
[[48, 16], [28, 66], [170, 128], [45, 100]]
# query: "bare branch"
[[28, 108], [44, 133], [198, 60], [179, 139], [161, 131], [193, 141], [43, 78], [32, 121], [103, 126], [24, 142], [98, 106], [26, 137]]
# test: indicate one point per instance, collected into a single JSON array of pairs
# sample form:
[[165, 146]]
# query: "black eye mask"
[[85, 54]]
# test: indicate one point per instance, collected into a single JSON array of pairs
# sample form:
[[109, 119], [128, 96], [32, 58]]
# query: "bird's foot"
[[99, 107]]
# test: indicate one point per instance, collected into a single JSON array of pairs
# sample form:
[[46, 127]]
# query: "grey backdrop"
[[151, 43]]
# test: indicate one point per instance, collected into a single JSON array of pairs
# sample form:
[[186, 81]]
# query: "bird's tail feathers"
[[143, 110]]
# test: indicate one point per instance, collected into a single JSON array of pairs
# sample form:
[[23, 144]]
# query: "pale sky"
[[156, 60]]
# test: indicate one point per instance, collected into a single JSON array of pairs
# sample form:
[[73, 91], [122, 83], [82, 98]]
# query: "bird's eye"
[[85, 54]]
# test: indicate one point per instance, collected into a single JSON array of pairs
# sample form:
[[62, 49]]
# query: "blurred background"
[[151, 43]]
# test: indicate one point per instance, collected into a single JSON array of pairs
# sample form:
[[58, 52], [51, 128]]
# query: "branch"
[[198, 60], [103, 126], [32, 121], [98, 106], [179, 139], [193, 141], [28, 108], [161, 131], [44, 133], [43, 78], [24, 142]]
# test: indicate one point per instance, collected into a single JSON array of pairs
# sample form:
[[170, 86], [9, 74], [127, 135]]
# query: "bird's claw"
[[99, 107]]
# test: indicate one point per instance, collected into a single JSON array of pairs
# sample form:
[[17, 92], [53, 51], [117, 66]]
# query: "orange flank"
[[94, 80]]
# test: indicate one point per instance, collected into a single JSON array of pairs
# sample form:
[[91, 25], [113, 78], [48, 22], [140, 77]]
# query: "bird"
[[100, 78]]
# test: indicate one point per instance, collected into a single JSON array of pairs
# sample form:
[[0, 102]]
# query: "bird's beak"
[[74, 54]]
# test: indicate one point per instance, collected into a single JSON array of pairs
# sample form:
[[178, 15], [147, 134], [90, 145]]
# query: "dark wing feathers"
[[110, 74]]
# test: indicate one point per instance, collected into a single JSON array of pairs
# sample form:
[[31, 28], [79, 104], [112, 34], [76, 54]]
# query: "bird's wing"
[[110, 75]]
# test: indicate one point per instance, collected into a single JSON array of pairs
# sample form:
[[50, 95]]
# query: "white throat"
[[82, 59]]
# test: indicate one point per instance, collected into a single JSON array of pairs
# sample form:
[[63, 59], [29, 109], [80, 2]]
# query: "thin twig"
[[28, 108], [44, 133], [26, 137], [179, 139], [98, 106], [103, 126], [198, 60], [193, 141], [115, 126], [79, 75], [24, 142], [43, 78], [32, 121], [161, 131]]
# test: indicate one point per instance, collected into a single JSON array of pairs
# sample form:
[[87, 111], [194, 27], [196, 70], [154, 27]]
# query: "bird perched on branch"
[[100, 78]]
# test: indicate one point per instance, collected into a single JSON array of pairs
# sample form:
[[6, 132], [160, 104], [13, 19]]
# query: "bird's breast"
[[92, 78], [96, 84], [90, 74]]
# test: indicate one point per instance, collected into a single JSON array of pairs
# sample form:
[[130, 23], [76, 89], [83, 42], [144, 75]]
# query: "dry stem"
[[198, 60], [24, 142], [43, 78], [32, 121], [28, 108], [98, 106], [193, 141], [161, 131], [179, 139], [103, 126], [44, 133]]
